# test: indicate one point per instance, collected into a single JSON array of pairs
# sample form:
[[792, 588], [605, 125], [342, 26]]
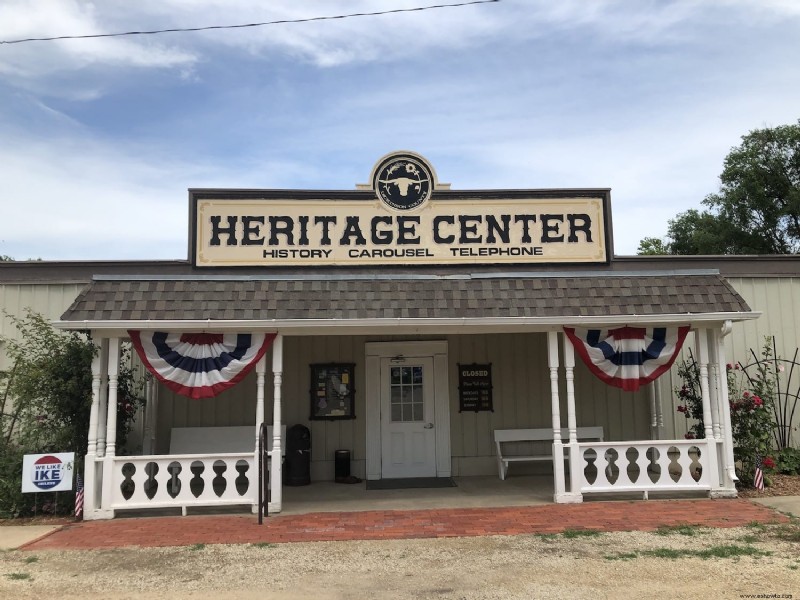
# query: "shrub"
[[750, 398], [788, 461], [51, 388]]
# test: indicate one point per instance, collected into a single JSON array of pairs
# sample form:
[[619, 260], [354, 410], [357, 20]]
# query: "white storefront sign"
[[403, 218]]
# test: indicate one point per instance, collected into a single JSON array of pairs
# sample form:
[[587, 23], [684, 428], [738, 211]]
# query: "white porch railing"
[[184, 481], [642, 466]]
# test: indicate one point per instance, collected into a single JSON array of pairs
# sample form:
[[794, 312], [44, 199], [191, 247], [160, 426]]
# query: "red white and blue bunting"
[[200, 365], [628, 357]]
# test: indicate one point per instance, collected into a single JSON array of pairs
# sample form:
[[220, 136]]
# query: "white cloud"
[[645, 97], [72, 195], [29, 65], [336, 42]]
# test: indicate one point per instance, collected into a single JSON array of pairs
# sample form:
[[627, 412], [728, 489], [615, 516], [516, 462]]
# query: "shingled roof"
[[477, 296]]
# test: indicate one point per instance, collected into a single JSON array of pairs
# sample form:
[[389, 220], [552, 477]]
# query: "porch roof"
[[566, 298]]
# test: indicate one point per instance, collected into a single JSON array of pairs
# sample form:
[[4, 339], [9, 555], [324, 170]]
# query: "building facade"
[[409, 328]]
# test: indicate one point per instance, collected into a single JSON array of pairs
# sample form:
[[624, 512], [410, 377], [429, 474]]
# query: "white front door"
[[408, 433]]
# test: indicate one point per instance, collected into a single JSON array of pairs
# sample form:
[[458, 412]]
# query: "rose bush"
[[750, 397]]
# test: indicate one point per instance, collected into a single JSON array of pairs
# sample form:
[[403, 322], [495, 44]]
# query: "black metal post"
[[261, 509]]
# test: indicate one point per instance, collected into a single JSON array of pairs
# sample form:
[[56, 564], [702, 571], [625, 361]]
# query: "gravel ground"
[[765, 560]]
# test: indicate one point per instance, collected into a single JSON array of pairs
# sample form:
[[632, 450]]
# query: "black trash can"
[[297, 465], [341, 464]]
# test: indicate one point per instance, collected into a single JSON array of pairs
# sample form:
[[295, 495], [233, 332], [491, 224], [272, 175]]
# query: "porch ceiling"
[[475, 298]]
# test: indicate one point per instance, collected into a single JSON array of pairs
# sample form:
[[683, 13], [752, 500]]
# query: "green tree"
[[51, 386], [757, 208], [45, 399], [651, 246]]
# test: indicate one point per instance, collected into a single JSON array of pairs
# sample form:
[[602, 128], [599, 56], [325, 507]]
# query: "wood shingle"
[[484, 296]]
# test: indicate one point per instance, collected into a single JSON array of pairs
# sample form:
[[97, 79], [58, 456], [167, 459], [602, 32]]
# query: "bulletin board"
[[332, 391]]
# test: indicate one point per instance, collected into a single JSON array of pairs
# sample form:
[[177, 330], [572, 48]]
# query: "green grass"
[[685, 529], [723, 551], [546, 537], [18, 576], [263, 545], [787, 533], [195, 547], [731, 551], [665, 553], [621, 556], [576, 533], [756, 525], [748, 539], [31, 559]]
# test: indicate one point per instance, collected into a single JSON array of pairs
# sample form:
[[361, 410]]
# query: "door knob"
[[428, 425]]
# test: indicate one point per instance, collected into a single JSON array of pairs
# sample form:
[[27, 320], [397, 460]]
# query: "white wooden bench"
[[501, 436], [219, 440]]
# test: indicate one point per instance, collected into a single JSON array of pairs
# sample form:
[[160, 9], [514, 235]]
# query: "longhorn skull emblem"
[[403, 183]]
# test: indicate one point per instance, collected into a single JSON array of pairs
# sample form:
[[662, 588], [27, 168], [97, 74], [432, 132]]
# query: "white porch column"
[[659, 413], [111, 430], [276, 478], [261, 367], [103, 412], [89, 466], [714, 385], [94, 411], [148, 436], [651, 395], [729, 478], [701, 340], [558, 448], [574, 494]]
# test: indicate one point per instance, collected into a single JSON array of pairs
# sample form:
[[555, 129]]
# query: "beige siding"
[[50, 300], [521, 396], [778, 298], [520, 376]]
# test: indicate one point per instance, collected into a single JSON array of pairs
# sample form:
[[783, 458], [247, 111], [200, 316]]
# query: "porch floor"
[[469, 492]]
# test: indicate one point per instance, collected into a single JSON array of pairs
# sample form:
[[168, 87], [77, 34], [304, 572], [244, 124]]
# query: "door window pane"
[[406, 394], [397, 395]]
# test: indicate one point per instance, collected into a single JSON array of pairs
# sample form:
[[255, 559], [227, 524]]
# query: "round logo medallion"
[[47, 472], [403, 182]]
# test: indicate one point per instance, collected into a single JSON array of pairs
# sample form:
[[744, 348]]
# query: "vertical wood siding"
[[50, 300], [778, 298], [521, 396], [520, 377]]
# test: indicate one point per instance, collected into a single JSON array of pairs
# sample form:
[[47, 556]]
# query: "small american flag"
[[758, 479], [78, 496]]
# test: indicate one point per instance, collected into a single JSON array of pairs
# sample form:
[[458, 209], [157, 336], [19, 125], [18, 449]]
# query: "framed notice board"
[[332, 392], [475, 387]]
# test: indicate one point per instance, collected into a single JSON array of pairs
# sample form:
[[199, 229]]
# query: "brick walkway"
[[404, 524]]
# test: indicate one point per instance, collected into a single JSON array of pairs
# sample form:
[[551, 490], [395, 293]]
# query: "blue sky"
[[102, 137]]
